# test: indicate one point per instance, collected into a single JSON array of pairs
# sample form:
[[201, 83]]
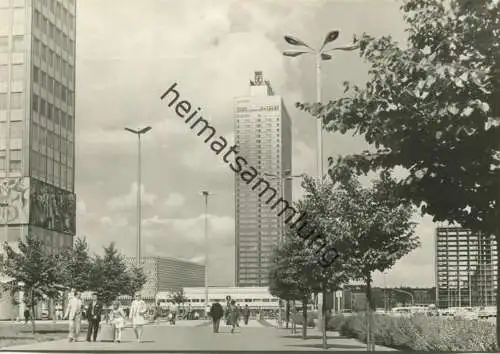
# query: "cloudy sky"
[[129, 52]]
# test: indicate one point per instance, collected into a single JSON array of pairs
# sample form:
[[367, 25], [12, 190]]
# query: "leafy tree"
[[289, 275], [34, 271], [322, 231], [111, 278], [137, 278], [382, 226], [433, 108], [177, 296], [76, 266]]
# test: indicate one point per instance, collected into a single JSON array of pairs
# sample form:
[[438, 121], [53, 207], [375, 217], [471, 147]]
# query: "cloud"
[[211, 50], [115, 222], [129, 200], [193, 229], [175, 200]]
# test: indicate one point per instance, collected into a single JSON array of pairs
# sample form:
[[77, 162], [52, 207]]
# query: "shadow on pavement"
[[313, 337], [330, 346]]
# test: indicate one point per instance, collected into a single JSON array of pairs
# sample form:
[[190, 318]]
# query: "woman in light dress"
[[118, 320], [137, 311]]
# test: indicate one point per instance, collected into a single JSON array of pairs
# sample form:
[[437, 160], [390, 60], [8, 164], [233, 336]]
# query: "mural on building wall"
[[14, 200], [52, 208]]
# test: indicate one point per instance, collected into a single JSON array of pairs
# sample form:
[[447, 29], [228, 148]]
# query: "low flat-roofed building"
[[254, 297], [164, 274]]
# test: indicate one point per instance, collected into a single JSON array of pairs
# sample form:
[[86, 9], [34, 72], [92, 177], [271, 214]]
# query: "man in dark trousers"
[[93, 314], [246, 314], [216, 313]]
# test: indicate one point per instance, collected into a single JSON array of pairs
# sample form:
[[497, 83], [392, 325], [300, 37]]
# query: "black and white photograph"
[[249, 176]]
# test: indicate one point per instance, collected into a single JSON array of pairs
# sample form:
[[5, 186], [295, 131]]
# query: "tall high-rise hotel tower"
[[264, 138], [37, 115]]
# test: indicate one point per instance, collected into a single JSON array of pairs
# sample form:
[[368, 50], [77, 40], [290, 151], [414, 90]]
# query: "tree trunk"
[[323, 319], [370, 345], [33, 328], [293, 319], [287, 313], [304, 314]]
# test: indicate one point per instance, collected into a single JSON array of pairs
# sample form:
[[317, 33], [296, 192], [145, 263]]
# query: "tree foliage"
[[111, 274], [33, 270], [383, 231], [77, 266], [433, 108], [137, 279], [178, 296], [290, 272]]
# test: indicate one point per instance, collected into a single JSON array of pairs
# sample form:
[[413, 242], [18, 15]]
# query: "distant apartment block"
[[169, 274], [264, 137], [466, 264]]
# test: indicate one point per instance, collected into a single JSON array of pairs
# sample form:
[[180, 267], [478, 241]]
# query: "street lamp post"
[[206, 194], [320, 55], [138, 133]]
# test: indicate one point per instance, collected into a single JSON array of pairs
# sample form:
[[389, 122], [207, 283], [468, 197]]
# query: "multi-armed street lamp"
[[321, 55], [139, 132]]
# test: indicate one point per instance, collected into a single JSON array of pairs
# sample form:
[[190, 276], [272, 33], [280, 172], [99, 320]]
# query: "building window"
[[16, 130], [17, 72], [3, 101], [15, 155], [4, 44], [16, 100], [18, 44], [42, 107], [43, 78], [4, 73], [15, 165], [36, 73]]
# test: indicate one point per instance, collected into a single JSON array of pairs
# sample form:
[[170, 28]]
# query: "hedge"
[[311, 316], [420, 332]]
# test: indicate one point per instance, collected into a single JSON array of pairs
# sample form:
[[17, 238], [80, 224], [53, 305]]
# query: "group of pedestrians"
[[232, 314], [93, 313]]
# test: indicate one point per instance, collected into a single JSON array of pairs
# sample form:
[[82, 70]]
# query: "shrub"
[[311, 316], [420, 332]]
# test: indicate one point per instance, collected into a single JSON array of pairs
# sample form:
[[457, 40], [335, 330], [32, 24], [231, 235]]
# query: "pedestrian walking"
[[233, 315], [118, 320], [26, 315], [189, 315], [93, 315], [227, 313], [173, 312], [74, 315], [216, 313], [157, 313], [137, 311], [238, 315], [246, 314]]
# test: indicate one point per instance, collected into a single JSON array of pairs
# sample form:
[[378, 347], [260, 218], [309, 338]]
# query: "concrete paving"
[[200, 337]]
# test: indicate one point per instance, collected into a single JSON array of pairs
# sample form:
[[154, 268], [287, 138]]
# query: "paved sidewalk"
[[315, 333], [201, 338]]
